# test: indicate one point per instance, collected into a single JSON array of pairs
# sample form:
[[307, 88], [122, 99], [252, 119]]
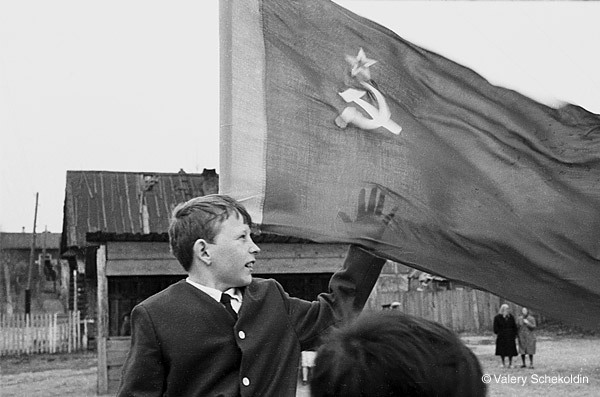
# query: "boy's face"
[[232, 254]]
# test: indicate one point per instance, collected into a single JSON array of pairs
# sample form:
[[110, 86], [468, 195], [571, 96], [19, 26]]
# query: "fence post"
[[102, 320], [56, 333], [78, 325], [18, 336], [475, 309], [46, 331], [13, 341], [70, 331], [27, 341], [49, 332], [75, 333], [84, 340], [35, 326]]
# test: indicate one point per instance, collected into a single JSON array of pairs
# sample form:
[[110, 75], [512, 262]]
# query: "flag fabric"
[[488, 186]]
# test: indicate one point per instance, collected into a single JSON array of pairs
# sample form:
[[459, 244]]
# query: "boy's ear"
[[201, 251]]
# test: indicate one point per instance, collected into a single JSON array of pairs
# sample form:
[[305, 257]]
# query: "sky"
[[134, 85]]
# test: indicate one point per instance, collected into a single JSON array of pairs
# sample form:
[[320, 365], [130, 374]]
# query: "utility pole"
[[31, 260], [43, 260], [41, 275]]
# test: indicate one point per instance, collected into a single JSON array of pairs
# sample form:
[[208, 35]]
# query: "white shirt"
[[236, 295]]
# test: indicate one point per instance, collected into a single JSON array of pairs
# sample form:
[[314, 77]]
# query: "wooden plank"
[[115, 357], [446, 308], [475, 302], [467, 314], [138, 250], [461, 305], [118, 343], [114, 372], [310, 250], [455, 299], [102, 320], [132, 267], [160, 250], [437, 308], [297, 265], [113, 386], [144, 267]]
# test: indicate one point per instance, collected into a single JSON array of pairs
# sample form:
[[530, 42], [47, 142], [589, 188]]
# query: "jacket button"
[[245, 381], [242, 335]]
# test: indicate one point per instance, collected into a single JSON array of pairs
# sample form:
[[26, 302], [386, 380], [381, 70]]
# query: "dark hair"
[[200, 218], [392, 354]]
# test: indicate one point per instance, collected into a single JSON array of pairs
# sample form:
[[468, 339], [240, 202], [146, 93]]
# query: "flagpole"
[[226, 87]]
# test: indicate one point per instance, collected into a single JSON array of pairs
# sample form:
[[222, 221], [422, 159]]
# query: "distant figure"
[[388, 353], [395, 306], [506, 330], [49, 271], [526, 324], [125, 326]]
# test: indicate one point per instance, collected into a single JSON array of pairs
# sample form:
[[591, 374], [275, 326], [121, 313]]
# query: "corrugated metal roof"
[[127, 202]]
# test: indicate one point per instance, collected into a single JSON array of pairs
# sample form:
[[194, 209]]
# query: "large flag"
[[488, 186]]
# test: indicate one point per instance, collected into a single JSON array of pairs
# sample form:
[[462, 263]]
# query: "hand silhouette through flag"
[[370, 222]]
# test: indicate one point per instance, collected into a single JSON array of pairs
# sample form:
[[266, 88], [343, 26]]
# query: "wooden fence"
[[42, 333], [460, 310]]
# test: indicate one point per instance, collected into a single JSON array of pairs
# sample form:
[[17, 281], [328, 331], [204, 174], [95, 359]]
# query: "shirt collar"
[[235, 293]]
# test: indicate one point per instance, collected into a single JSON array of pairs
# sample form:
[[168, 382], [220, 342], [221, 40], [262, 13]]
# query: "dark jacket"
[[184, 343], [506, 329]]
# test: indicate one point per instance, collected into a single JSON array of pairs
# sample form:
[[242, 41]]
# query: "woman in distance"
[[526, 324], [505, 328]]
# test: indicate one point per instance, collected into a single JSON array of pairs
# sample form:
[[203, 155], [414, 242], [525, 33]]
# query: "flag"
[[486, 185]]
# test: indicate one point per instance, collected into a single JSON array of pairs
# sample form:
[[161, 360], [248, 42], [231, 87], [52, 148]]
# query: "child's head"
[[201, 218], [391, 354]]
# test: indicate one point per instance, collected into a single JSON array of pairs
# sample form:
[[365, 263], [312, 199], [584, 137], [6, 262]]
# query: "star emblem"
[[360, 65]]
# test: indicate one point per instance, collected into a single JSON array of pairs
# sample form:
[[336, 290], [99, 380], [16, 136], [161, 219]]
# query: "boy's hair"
[[391, 354], [200, 218]]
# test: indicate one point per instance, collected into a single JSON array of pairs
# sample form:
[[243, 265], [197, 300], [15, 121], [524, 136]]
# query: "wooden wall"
[[144, 259], [117, 348], [126, 259], [461, 310]]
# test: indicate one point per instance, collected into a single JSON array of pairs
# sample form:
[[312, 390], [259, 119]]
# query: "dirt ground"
[[43, 375], [560, 359], [64, 375], [563, 366]]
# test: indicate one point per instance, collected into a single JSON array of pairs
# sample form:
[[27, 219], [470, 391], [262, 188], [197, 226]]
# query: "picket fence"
[[42, 333]]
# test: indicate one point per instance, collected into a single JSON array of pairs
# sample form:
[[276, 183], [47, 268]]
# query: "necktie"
[[226, 301]]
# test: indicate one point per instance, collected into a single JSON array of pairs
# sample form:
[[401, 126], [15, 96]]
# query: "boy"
[[222, 333], [392, 354]]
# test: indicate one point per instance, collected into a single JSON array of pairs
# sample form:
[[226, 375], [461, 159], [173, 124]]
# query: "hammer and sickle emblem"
[[380, 115]]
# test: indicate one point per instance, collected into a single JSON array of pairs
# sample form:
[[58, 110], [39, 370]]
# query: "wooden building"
[[114, 233], [49, 276], [122, 204], [129, 272]]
